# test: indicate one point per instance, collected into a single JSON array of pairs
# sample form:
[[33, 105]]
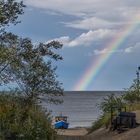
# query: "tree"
[[29, 66], [9, 12], [33, 72], [7, 53]]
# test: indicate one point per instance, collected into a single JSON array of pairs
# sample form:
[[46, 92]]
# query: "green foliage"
[[7, 51], [21, 121], [132, 94], [104, 120], [111, 103], [130, 100], [9, 11], [30, 68]]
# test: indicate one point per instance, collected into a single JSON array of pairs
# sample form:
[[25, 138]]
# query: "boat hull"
[[61, 125]]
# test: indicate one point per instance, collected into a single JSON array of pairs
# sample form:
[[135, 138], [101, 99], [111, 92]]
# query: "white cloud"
[[71, 7], [90, 23], [91, 36], [132, 49], [105, 50], [88, 8], [87, 38], [93, 14], [128, 50], [98, 52]]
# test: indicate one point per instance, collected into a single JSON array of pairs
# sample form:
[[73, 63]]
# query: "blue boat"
[[61, 122]]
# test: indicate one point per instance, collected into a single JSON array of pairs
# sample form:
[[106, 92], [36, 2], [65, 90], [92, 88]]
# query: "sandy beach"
[[103, 134], [100, 134], [73, 132]]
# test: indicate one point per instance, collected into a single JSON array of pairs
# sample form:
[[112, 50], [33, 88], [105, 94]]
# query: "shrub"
[[21, 121], [132, 94], [110, 103]]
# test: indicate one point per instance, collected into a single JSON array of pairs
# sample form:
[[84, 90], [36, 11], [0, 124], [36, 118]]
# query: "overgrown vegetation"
[[19, 121], [103, 120], [31, 70], [130, 100]]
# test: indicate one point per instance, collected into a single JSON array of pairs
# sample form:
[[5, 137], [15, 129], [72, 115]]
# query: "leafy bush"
[[111, 103], [132, 94], [21, 121]]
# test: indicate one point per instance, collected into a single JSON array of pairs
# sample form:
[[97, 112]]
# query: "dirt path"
[[133, 134], [73, 132], [101, 134]]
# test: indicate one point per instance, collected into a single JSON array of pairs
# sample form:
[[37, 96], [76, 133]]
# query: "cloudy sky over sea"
[[87, 29]]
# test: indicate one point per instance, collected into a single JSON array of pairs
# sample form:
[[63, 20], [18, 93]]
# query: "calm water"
[[80, 107]]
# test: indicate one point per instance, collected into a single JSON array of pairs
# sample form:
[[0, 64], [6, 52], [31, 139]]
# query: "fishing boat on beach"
[[61, 122]]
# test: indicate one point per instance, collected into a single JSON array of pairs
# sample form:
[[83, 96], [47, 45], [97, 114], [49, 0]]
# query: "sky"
[[87, 28]]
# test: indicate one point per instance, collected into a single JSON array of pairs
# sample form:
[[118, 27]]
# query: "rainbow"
[[96, 66]]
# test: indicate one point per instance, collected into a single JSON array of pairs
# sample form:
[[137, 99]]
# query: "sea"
[[81, 107]]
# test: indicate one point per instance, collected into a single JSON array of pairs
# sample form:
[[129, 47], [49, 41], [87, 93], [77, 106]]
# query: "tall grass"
[[103, 120]]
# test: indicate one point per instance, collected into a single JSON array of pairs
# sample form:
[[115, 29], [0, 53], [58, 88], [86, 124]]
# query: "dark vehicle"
[[124, 120]]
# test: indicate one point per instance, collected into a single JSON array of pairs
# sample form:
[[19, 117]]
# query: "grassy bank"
[[105, 119]]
